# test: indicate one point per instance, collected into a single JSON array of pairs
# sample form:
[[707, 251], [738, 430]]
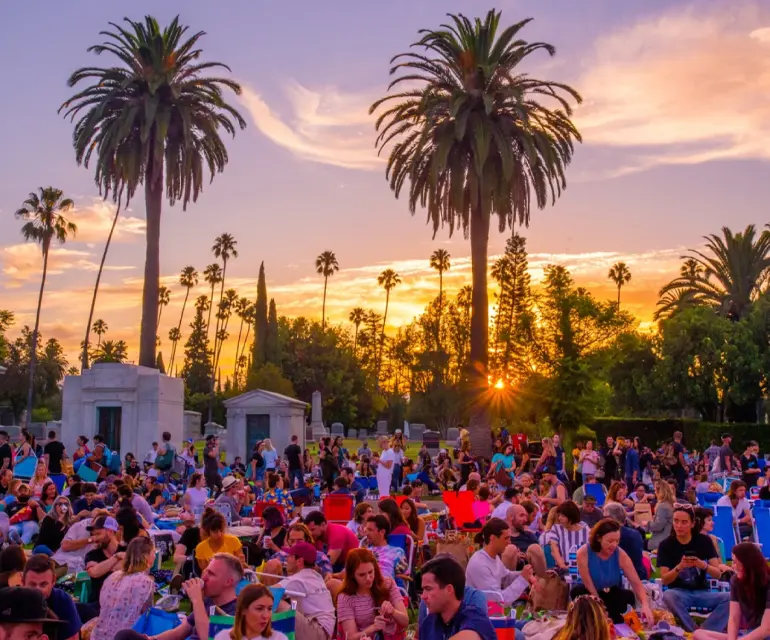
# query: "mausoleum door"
[[257, 428]]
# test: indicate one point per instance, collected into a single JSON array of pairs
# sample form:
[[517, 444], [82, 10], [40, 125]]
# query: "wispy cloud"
[[325, 125], [94, 219], [685, 87]]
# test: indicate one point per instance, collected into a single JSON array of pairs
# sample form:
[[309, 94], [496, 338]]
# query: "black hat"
[[725, 436], [550, 469], [20, 604]]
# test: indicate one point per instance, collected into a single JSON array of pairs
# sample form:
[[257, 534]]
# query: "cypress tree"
[[272, 347], [260, 321]]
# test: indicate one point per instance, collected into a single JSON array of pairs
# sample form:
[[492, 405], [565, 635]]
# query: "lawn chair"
[[724, 527], [460, 507], [338, 508], [597, 491], [762, 527], [708, 500], [225, 510]]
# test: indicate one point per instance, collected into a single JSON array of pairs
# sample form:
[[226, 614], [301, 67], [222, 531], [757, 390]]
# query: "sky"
[[675, 122]]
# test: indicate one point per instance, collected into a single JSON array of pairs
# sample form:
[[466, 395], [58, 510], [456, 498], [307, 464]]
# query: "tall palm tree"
[[213, 276], [620, 275], [475, 136], [226, 308], [99, 328], [111, 351], [357, 316], [249, 317], [156, 119], [44, 223], [241, 308], [728, 275], [326, 265], [164, 297], [174, 336], [388, 280], [439, 260], [188, 279], [224, 247]]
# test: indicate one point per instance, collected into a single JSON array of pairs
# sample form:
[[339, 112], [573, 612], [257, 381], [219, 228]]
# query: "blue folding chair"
[[762, 528], [724, 528], [59, 480], [709, 499], [597, 491]]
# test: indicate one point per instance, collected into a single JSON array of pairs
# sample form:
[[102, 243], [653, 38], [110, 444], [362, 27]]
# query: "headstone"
[[452, 434], [352, 433], [432, 439], [317, 429], [192, 425], [319, 433], [416, 431], [338, 429], [382, 428], [363, 434]]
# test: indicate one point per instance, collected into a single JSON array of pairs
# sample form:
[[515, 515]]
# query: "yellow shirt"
[[230, 544]]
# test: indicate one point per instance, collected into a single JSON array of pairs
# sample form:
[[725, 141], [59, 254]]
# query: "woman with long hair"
[[82, 450], [618, 493], [272, 538], [415, 522], [567, 533], [365, 468], [48, 496], [253, 616], [197, 494], [749, 591], [504, 461], [602, 565], [736, 499], [369, 603], [586, 620], [465, 460], [662, 521], [704, 523], [360, 516], [54, 527], [548, 457], [39, 479], [126, 594], [129, 526], [270, 455], [398, 525], [26, 447]]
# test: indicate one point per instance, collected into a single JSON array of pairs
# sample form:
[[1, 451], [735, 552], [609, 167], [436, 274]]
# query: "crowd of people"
[[618, 529]]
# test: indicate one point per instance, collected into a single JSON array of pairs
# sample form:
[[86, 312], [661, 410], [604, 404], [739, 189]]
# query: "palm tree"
[[241, 307], [99, 328], [224, 247], [248, 318], [727, 276], [388, 279], [213, 276], [475, 137], [155, 119], [164, 297], [111, 351], [439, 260], [226, 308], [174, 336], [43, 224], [620, 275], [501, 273], [357, 316], [326, 265], [188, 279]]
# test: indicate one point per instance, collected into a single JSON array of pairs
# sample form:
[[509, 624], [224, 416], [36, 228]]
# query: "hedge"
[[696, 433]]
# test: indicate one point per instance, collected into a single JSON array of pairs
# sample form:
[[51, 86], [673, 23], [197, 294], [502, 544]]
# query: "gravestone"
[[416, 431], [432, 440], [352, 433], [382, 428], [338, 429], [317, 429], [363, 434], [452, 434]]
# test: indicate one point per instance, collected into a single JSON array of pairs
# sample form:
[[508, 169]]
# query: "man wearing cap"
[[315, 610], [229, 497], [39, 575], [588, 511], [100, 562], [24, 615], [558, 492]]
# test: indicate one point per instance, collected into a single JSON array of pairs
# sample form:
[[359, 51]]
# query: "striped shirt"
[[566, 539], [363, 609]]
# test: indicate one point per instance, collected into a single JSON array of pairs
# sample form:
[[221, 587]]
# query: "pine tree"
[[272, 346], [159, 363], [197, 362], [260, 321]]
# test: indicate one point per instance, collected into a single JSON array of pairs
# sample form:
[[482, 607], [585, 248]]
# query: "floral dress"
[[123, 600], [280, 497]]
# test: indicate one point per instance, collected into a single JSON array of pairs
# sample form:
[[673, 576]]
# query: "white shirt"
[[317, 603], [501, 510], [487, 573], [225, 635], [198, 497], [75, 560], [384, 474], [740, 509], [152, 454]]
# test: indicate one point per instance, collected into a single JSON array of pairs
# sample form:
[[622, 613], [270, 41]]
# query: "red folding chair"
[[399, 499], [259, 507], [460, 507], [338, 508]]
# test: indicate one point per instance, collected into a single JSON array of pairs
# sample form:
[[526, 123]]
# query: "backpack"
[[114, 465], [164, 462]]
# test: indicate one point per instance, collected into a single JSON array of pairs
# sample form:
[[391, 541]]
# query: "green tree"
[[44, 222], [260, 320], [388, 280], [632, 375], [326, 265], [99, 328], [6, 320], [197, 369], [188, 278], [242, 362], [674, 299], [439, 260], [727, 276], [356, 316], [475, 136], [154, 119], [268, 377], [620, 275], [272, 344], [111, 351]]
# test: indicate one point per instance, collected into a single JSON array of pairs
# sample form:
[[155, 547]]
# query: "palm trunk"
[[33, 338], [179, 329], [618, 296], [237, 348], [84, 359], [478, 425], [355, 342], [245, 341], [323, 308], [509, 329], [99, 341], [440, 308], [382, 336], [153, 196], [211, 307], [221, 295]]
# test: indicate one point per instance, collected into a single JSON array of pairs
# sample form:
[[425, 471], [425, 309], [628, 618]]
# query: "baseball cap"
[[229, 481], [20, 604], [589, 498], [103, 522], [304, 550]]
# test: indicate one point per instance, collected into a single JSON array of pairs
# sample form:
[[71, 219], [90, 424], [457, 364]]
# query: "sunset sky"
[[675, 124]]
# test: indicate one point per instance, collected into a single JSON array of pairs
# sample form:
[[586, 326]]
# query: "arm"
[[181, 632], [556, 553], [466, 635], [585, 574], [659, 522], [627, 567], [667, 576], [762, 631], [334, 555], [75, 545], [99, 569]]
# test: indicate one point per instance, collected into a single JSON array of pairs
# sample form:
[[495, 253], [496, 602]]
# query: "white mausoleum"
[[256, 415], [130, 406]]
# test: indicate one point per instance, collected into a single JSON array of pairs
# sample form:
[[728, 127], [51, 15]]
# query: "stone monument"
[[415, 432], [431, 439], [452, 434], [338, 429], [317, 428], [382, 428]]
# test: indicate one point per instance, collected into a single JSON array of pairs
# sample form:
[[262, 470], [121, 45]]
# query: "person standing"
[[561, 458], [293, 455], [588, 460], [726, 456], [385, 467], [633, 472], [678, 466], [607, 453], [54, 453], [211, 463], [6, 453], [750, 470]]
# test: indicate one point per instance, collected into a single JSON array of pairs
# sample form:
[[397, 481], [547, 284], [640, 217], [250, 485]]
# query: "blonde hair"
[[586, 620], [250, 594], [35, 480], [548, 448], [137, 558], [67, 519], [664, 492], [268, 444]]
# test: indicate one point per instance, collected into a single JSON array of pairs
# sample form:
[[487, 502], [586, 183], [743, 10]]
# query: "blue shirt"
[[62, 605], [467, 618], [82, 505], [632, 464], [631, 542], [472, 597], [559, 458]]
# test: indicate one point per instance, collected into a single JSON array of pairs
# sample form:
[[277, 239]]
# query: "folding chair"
[[405, 542], [708, 500], [762, 529], [724, 528], [597, 491], [338, 508], [225, 510]]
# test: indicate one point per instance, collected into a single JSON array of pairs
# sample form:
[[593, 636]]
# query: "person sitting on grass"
[[216, 539], [39, 575], [587, 619], [253, 616]]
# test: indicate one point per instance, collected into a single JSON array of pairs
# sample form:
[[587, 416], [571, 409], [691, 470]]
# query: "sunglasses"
[[683, 506]]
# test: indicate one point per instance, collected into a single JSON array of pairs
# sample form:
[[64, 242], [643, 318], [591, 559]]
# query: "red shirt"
[[338, 536]]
